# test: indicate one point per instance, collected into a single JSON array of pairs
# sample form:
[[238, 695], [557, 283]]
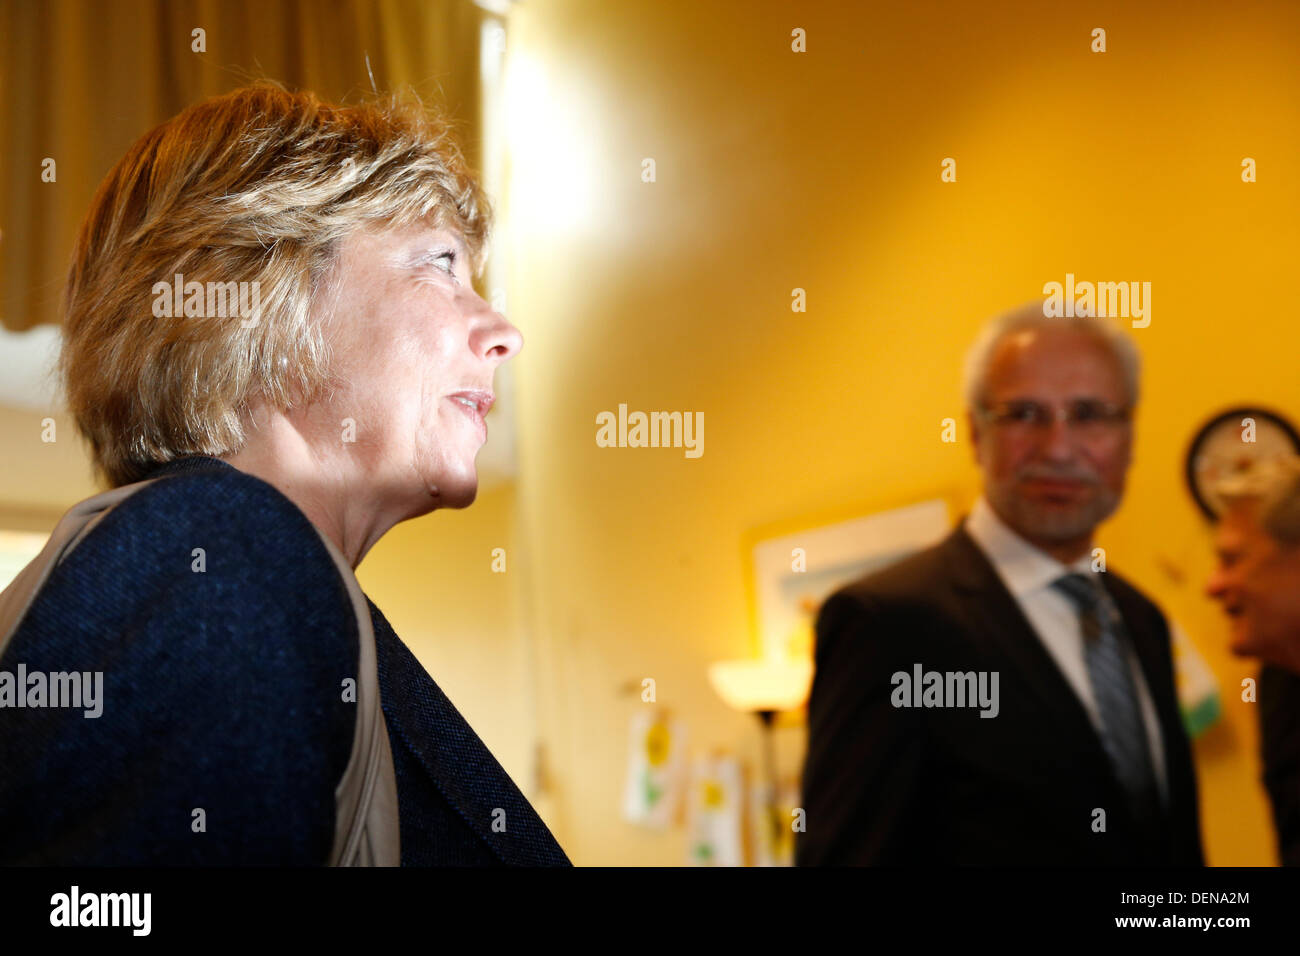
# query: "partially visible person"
[[1079, 756], [1258, 582]]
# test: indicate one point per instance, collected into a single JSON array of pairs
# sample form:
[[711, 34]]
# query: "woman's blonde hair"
[[257, 186]]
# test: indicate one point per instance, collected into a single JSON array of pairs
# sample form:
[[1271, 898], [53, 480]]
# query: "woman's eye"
[[442, 261]]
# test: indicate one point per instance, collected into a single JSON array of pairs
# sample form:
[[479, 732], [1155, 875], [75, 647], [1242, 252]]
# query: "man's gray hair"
[[1030, 316], [1273, 483]]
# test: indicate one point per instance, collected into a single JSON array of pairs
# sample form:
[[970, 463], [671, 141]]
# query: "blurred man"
[[1258, 583], [1080, 757]]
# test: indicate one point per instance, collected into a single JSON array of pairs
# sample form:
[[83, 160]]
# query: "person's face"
[[1053, 484], [414, 345], [1258, 583]]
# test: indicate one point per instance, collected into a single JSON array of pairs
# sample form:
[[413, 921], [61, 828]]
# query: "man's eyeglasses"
[[1085, 417]]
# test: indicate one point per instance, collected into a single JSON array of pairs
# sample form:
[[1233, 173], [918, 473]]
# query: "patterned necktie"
[[1124, 732]]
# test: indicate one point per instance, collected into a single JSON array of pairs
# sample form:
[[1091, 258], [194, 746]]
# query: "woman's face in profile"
[[416, 349]]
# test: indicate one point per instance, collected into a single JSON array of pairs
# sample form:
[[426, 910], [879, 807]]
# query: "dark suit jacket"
[[223, 693], [1279, 744], [886, 785]]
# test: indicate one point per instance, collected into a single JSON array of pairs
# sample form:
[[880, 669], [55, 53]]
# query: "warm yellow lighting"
[[17, 549], [553, 147], [764, 684]]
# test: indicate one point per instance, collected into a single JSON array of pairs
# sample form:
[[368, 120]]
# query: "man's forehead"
[[1036, 344], [1055, 359]]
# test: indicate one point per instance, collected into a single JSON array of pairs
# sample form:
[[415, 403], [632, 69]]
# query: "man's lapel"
[[996, 618]]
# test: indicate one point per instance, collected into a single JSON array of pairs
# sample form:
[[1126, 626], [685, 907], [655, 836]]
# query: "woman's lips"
[[473, 415]]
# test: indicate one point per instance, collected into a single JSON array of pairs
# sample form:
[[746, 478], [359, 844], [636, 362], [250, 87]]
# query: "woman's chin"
[[458, 492], [461, 498]]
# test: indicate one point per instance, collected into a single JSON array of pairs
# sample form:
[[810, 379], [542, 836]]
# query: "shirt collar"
[[1022, 567]]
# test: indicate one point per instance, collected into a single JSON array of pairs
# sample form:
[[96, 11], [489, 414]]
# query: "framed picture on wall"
[[795, 573]]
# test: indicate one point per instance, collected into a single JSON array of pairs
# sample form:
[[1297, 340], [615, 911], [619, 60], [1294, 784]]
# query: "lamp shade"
[[763, 684]]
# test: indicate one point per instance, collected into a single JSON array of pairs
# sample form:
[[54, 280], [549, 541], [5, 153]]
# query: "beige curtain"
[[80, 80]]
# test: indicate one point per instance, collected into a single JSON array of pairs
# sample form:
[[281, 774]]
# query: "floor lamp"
[[764, 688]]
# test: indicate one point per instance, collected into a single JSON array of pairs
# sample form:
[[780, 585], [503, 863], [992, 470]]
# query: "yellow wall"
[[821, 171], [433, 579]]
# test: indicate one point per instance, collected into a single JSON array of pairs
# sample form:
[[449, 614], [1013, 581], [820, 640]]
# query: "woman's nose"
[[497, 339]]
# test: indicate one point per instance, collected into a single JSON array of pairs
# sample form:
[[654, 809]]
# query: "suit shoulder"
[[910, 581]]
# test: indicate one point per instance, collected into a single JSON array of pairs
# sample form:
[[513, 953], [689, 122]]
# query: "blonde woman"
[[275, 351]]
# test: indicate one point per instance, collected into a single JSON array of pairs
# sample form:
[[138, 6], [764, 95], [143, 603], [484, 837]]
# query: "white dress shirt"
[[1028, 574]]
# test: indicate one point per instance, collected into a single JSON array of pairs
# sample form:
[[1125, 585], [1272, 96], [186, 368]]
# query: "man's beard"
[[1056, 523]]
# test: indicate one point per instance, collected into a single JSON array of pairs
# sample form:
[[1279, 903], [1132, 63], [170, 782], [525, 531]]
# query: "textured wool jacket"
[[225, 637]]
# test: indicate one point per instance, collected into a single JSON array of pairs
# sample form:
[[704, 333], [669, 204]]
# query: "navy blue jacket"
[[223, 692]]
